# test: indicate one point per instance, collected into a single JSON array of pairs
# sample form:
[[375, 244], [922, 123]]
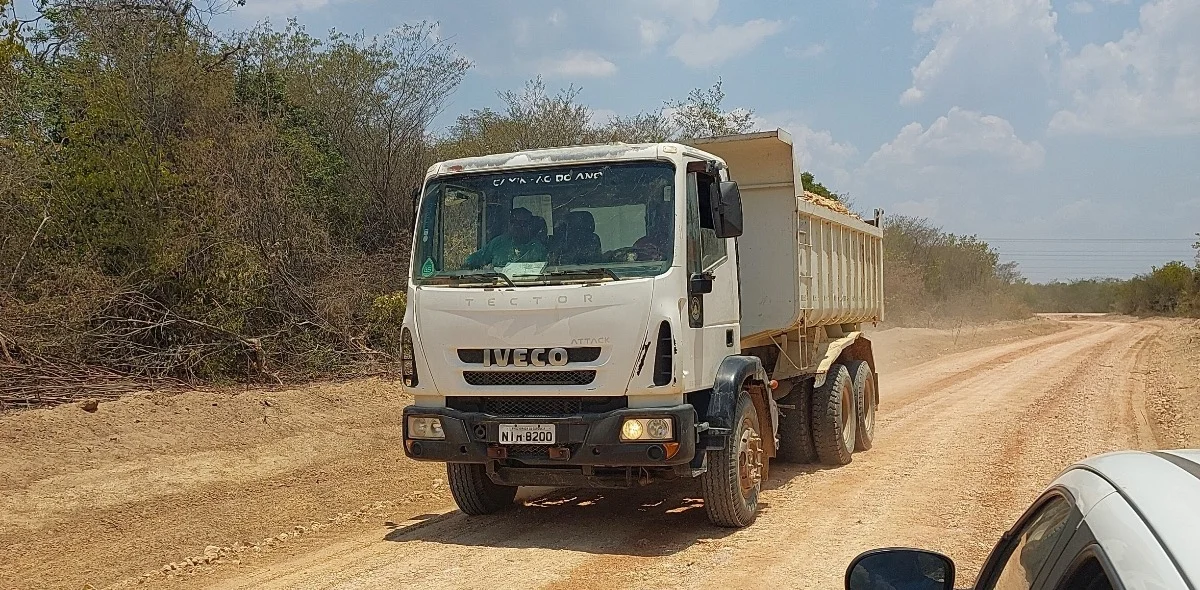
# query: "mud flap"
[[734, 372]]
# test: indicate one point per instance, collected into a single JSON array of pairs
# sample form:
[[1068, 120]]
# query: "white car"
[[1128, 520]]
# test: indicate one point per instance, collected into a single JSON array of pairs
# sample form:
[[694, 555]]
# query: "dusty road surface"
[[965, 441]]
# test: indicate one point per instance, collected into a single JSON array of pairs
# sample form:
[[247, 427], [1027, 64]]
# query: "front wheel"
[[474, 492], [734, 475]]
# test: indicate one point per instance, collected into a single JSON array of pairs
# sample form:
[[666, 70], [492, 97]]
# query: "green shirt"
[[501, 251]]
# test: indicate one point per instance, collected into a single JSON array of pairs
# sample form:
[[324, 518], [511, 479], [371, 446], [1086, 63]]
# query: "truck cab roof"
[[768, 155], [559, 156]]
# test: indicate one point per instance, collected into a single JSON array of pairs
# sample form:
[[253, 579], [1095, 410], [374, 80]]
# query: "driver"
[[518, 243]]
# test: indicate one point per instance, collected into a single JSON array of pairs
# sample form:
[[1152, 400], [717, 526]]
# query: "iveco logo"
[[524, 357]]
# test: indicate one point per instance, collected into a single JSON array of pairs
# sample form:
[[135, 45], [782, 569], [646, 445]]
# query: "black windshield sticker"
[[550, 178]]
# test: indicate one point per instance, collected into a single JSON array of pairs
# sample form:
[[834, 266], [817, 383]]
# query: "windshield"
[[549, 225]]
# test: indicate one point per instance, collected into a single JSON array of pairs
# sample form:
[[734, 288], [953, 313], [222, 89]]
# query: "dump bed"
[[802, 264]]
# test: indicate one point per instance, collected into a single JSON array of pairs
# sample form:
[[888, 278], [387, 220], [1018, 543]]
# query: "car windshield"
[[547, 225]]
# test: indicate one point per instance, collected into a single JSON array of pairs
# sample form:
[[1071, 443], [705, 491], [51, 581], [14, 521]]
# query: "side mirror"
[[900, 568], [700, 284], [727, 210]]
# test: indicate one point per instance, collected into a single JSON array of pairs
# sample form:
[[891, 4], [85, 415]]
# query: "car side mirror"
[[727, 210], [900, 568], [700, 284]]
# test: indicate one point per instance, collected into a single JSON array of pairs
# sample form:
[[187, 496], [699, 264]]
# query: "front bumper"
[[591, 440]]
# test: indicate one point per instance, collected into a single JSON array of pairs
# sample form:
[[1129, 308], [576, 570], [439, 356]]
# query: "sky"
[[1065, 133]]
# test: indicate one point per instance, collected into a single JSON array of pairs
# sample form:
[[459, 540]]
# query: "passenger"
[[575, 240], [646, 248], [655, 244], [518, 243]]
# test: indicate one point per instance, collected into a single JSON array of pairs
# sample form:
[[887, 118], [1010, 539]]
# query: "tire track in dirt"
[[949, 370], [598, 572], [939, 442], [918, 486], [1086, 411]]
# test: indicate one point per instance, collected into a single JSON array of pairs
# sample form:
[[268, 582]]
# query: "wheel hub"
[[749, 460]]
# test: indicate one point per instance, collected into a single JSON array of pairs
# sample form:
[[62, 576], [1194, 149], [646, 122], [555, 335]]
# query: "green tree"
[[532, 118], [811, 185], [702, 114], [197, 207]]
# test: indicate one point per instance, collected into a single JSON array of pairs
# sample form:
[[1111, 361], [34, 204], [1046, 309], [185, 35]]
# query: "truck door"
[[712, 317]]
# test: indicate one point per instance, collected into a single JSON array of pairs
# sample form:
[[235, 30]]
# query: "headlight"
[[647, 429], [425, 427]]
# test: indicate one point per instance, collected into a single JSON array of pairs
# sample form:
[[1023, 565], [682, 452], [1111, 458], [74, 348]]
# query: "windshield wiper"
[[584, 272], [490, 276]]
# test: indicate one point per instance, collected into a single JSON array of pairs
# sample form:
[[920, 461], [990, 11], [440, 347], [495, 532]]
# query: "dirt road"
[[965, 441]]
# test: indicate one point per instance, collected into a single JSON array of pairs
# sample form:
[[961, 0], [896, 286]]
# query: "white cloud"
[[1081, 7], [698, 11], [1146, 83], [809, 52], [815, 150], [976, 39], [651, 32], [961, 139], [579, 64], [700, 47]]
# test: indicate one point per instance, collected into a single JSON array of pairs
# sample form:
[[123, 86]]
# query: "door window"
[[1034, 545], [1089, 574], [705, 249]]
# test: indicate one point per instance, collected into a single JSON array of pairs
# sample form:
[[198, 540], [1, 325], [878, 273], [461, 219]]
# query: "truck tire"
[[734, 475], [474, 492], [795, 432], [864, 403], [834, 420]]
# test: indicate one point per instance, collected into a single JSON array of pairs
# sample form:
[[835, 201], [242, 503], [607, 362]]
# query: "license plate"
[[526, 434]]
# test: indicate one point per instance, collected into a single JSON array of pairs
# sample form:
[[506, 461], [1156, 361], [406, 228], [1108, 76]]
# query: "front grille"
[[578, 354], [485, 378], [532, 406], [536, 407]]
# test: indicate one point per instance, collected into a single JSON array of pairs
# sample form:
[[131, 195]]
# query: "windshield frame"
[[549, 274]]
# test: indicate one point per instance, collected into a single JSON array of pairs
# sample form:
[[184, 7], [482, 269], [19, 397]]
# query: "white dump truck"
[[613, 315]]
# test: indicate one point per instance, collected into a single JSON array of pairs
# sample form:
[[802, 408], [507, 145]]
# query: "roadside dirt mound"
[[1173, 379], [185, 481]]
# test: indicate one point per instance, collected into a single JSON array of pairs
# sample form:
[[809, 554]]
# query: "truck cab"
[[575, 318]]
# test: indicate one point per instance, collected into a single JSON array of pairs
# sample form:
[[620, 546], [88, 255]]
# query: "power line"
[[1090, 252], [1074, 240]]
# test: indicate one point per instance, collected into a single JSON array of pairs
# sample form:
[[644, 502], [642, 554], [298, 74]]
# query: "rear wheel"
[[795, 432], [865, 400], [474, 492], [734, 475], [834, 421]]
